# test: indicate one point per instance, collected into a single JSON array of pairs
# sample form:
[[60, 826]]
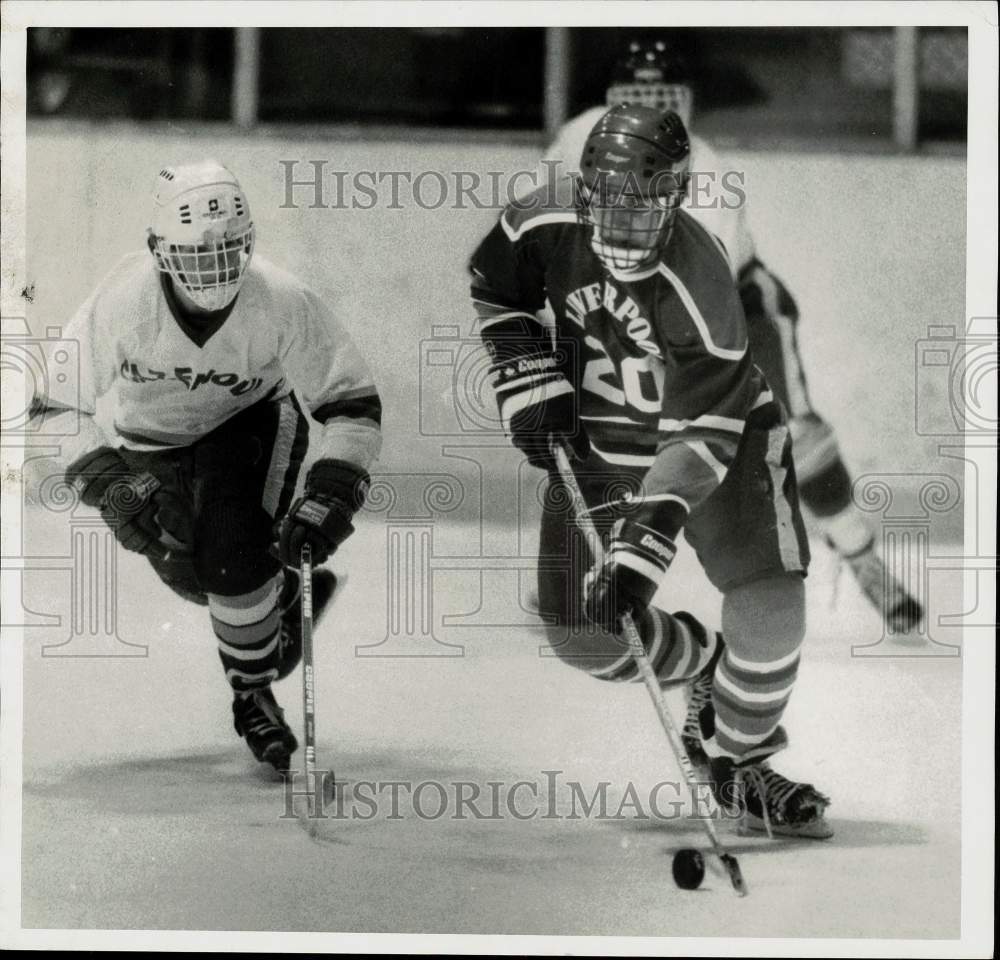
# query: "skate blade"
[[818, 829]]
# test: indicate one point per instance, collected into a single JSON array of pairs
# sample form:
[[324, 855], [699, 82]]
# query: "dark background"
[[797, 82]]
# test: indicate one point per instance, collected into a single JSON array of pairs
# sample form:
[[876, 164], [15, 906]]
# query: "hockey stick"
[[309, 691], [638, 651]]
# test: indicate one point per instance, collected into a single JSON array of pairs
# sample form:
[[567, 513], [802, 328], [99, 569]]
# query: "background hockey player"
[[653, 75], [198, 343], [673, 426]]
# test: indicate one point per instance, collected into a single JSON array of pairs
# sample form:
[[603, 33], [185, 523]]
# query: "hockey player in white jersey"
[[198, 342], [652, 74]]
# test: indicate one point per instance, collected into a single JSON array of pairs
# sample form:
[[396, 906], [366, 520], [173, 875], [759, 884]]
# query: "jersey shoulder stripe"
[[542, 207], [699, 320], [359, 404], [515, 233], [696, 269]]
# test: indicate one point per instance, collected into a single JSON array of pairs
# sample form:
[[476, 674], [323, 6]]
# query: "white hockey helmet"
[[202, 234]]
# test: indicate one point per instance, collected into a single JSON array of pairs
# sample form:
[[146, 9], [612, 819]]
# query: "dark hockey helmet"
[[633, 178], [653, 74]]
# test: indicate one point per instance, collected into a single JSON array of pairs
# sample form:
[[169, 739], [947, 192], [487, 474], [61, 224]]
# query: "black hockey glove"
[[537, 403], [335, 490], [127, 499], [637, 559]]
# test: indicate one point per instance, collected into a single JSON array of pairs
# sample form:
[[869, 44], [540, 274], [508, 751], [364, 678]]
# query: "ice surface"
[[142, 809]]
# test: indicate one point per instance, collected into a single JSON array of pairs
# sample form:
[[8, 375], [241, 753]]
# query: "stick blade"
[[732, 866]]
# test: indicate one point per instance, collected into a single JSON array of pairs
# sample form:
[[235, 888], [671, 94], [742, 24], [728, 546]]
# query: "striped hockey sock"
[[749, 698], [678, 646], [247, 629], [764, 625]]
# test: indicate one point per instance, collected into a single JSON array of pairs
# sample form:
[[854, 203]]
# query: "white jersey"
[[714, 199], [169, 385]]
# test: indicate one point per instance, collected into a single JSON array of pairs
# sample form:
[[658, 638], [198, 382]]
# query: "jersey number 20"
[[641, 380]]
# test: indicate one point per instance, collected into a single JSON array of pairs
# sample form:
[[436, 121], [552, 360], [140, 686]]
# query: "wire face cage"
[[628, 229], [209, 273]]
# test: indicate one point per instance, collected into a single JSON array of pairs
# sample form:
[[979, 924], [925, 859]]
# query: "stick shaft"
[[308, 669], [638, 651]]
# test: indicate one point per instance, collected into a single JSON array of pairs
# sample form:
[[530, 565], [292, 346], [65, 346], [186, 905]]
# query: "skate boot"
[[767, 801], [699, 722], [324, 585], [261, 722], [901, 611]]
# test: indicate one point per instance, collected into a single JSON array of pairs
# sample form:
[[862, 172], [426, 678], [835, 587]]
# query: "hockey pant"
[[222, 496], [751, 542]]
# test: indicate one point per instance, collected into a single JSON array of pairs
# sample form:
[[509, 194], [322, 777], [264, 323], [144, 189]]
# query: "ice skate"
[[324, 586], [699, 722], [901, 611], [768, 802], [261, 722]]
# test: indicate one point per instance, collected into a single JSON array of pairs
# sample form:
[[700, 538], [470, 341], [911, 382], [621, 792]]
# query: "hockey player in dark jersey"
[[648, 379], [652, 74], [197, 342]]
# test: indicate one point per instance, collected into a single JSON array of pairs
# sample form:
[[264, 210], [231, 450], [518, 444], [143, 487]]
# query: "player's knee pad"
[[824, 483], [572, 637], [765, 619], [232, 554], [565, 626], [178, 573], [586, 647], [560, 598]]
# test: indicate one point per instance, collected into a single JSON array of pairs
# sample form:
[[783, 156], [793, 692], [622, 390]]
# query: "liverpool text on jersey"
[[595, 296]]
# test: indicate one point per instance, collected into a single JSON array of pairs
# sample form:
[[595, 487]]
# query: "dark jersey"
[[658, 358]]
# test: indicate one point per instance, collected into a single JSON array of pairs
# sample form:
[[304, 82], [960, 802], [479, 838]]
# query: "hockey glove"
[[537, 402], [127, 499], [636, 562], [335, 490]]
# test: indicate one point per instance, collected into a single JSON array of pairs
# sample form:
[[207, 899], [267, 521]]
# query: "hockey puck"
[[689, 869]]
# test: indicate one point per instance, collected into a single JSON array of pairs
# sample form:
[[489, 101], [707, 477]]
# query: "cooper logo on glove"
[[312, 512], [658, 547]]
